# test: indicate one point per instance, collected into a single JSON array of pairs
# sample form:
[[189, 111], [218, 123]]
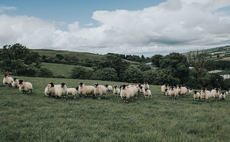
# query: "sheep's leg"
[[74, 96]]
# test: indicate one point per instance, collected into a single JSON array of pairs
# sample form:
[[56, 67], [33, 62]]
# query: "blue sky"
[[127, 27]]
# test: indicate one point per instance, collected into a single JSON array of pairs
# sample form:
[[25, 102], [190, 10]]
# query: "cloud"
[[3, 8], [172, 26], [90, 24]]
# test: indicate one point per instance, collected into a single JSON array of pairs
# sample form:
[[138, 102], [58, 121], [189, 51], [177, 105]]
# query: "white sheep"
[[25, 86], [72, 91], [50, 90], [126, 93], [84, 90], [61, 90], [226, 93], [109, 88], [190, 91], [100, 90], [208, 95], [15, 83], [147, 93], [163, 87], [167, 93], [196, 96], [7, 80], [203, 94], [184, 91], [222, 96], [141, 89], [215, 93], [116, 91], [173, 92], [146, 85]]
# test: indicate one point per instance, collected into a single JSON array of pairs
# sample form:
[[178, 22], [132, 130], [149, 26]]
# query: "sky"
[[140, 27]]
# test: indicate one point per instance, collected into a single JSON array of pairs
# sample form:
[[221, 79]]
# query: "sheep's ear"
[[66, 83], [83, 82]]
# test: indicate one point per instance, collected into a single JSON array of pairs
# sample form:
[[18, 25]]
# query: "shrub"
[[105, 74]]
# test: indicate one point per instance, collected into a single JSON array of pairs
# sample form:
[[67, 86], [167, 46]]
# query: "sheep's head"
[[96, 84], [15, 79], [166, 90], [76, 88], [5, 75], [123, 86], [115, 87], [80, 84], [106, 85], [216, 90], [195, 92], [63, 84], [222, 93], [140, 86], [146, 89], [20, 82], [51, 84], [172, 87], [203, 89]]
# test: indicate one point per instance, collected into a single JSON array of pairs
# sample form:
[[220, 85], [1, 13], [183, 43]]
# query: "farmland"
[[35, 117]]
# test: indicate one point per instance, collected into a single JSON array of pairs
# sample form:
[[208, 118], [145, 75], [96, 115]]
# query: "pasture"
[[35, 117]]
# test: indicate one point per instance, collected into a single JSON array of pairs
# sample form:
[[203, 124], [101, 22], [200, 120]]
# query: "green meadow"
[[35, 117]]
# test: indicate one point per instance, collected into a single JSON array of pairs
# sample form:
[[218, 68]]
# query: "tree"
[[178, 65], [59, 56], [132, 74], [105, 74], [80, 73], [144, 67], [156, 59], [20, 58]]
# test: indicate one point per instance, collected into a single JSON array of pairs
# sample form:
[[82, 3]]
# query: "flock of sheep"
[[126, 92], [205, 95]]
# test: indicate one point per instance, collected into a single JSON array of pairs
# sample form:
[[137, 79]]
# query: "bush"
[[132, 74], [108, 74], [44, 72], [80, 73]]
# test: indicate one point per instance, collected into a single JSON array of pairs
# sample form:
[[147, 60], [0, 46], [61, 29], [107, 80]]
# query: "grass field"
[[61, 69], [35, 117]]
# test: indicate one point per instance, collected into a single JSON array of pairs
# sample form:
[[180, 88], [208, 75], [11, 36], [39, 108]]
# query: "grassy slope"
[[61, 69], [34, 117]]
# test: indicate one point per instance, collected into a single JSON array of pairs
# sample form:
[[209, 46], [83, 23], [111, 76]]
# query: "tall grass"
[[35, 117]]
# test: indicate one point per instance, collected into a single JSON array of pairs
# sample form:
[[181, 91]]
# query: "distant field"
[[61, 69], [35, 117]]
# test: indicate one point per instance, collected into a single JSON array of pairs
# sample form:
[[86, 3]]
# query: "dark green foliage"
[[59, 56], [144, 67], [105, 74], [150, 76], [45, 72], [176, 66], [80, 73], [167, 75], [21, 59], [133, 74], [156, 59]]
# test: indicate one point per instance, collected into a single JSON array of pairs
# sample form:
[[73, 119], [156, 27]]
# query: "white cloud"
[[90, 24], [172, 26], [3, 8]]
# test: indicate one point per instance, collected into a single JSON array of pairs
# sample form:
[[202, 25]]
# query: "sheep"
[[190, 91], [126, 93], [85, 90], [146, 85], [226, 93], [61, 90], [179, 89], [7, 80], [116, 91], [147, 93], [203, 94], [140, 89], [50, 90], [215, 93], [100, 90], [208, 95], [25, 86], [135, 89], [72, 91], [222, 96], [184, 91], [196, 96], [109, 88], [173, 92], [167, 93], [163, 87], [15, 83]]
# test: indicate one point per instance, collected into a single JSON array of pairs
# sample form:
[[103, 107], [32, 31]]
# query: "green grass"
[[61, 69], [35, 117]]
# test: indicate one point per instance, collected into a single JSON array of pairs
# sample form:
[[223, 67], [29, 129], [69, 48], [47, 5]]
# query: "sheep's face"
[[195, 92], [146, 89], [203, 89], [115, 87], [106, 85], [123, 86], [76, 88], [20, 82], [5, 75], [96, 84], [81, 84], [51, 83], [140, 85], [166, 90], [63, 84], [222, 93], [15, 79], [171, 87], [217, 90]]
